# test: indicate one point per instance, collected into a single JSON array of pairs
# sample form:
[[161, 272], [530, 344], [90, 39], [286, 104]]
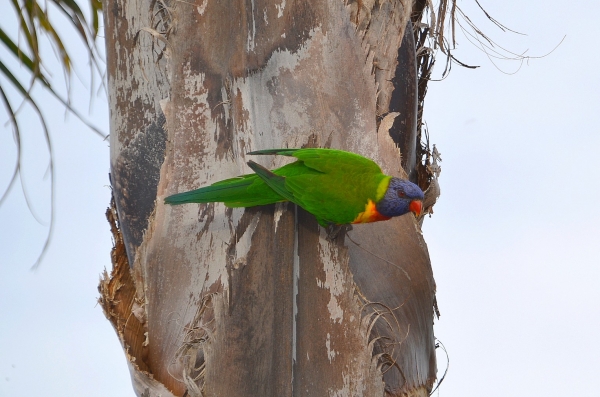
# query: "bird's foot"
[[334, 230]]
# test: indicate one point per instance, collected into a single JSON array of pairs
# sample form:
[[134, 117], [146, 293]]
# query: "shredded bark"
[[118, 301], [190, 354]]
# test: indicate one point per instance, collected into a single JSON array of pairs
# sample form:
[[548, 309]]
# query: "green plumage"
[[333, 185]]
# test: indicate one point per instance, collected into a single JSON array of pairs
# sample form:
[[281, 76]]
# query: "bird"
[[336, 186]]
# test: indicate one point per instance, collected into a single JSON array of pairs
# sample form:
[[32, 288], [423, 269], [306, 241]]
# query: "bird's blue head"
[[401, 197]]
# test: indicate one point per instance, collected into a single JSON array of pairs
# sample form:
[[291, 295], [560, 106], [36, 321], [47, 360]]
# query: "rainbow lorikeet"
[[336, 186]]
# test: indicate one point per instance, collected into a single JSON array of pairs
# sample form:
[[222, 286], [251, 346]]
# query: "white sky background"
[[515, 238], [54, 339], [514, 241]]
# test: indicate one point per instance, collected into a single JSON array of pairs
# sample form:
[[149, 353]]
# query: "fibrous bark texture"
[[258, 302]]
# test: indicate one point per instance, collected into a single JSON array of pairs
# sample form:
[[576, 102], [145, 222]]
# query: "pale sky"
[[514, 241]]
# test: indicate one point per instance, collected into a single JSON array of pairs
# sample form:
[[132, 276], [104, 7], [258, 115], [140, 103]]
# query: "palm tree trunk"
[[210, 301]]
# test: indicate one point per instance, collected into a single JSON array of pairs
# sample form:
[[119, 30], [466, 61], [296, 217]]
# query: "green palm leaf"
[[34, 21]]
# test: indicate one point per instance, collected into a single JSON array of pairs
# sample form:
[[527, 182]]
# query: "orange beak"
[[416, 206]]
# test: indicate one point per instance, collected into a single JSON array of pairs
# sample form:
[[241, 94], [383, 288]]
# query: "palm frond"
[[34, 22]]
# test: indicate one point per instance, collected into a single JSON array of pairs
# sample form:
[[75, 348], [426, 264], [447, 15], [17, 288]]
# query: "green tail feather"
[[229, 190], [242, 191]]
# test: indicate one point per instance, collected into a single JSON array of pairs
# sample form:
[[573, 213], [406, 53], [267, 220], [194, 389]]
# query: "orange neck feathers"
[[370, 214]]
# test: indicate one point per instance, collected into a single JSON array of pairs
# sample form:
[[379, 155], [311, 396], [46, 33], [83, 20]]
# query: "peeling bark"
[[118, 299], [234, 302]]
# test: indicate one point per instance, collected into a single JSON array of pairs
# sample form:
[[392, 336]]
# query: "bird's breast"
[[370, 214]]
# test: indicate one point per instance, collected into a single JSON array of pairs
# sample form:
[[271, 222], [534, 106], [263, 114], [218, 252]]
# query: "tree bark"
[[214, 301]]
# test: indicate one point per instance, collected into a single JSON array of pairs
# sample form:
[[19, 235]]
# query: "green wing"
[[334, 185], [326, 160], [274, 181]]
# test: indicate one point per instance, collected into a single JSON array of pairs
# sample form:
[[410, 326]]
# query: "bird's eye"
[[401, 193]]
